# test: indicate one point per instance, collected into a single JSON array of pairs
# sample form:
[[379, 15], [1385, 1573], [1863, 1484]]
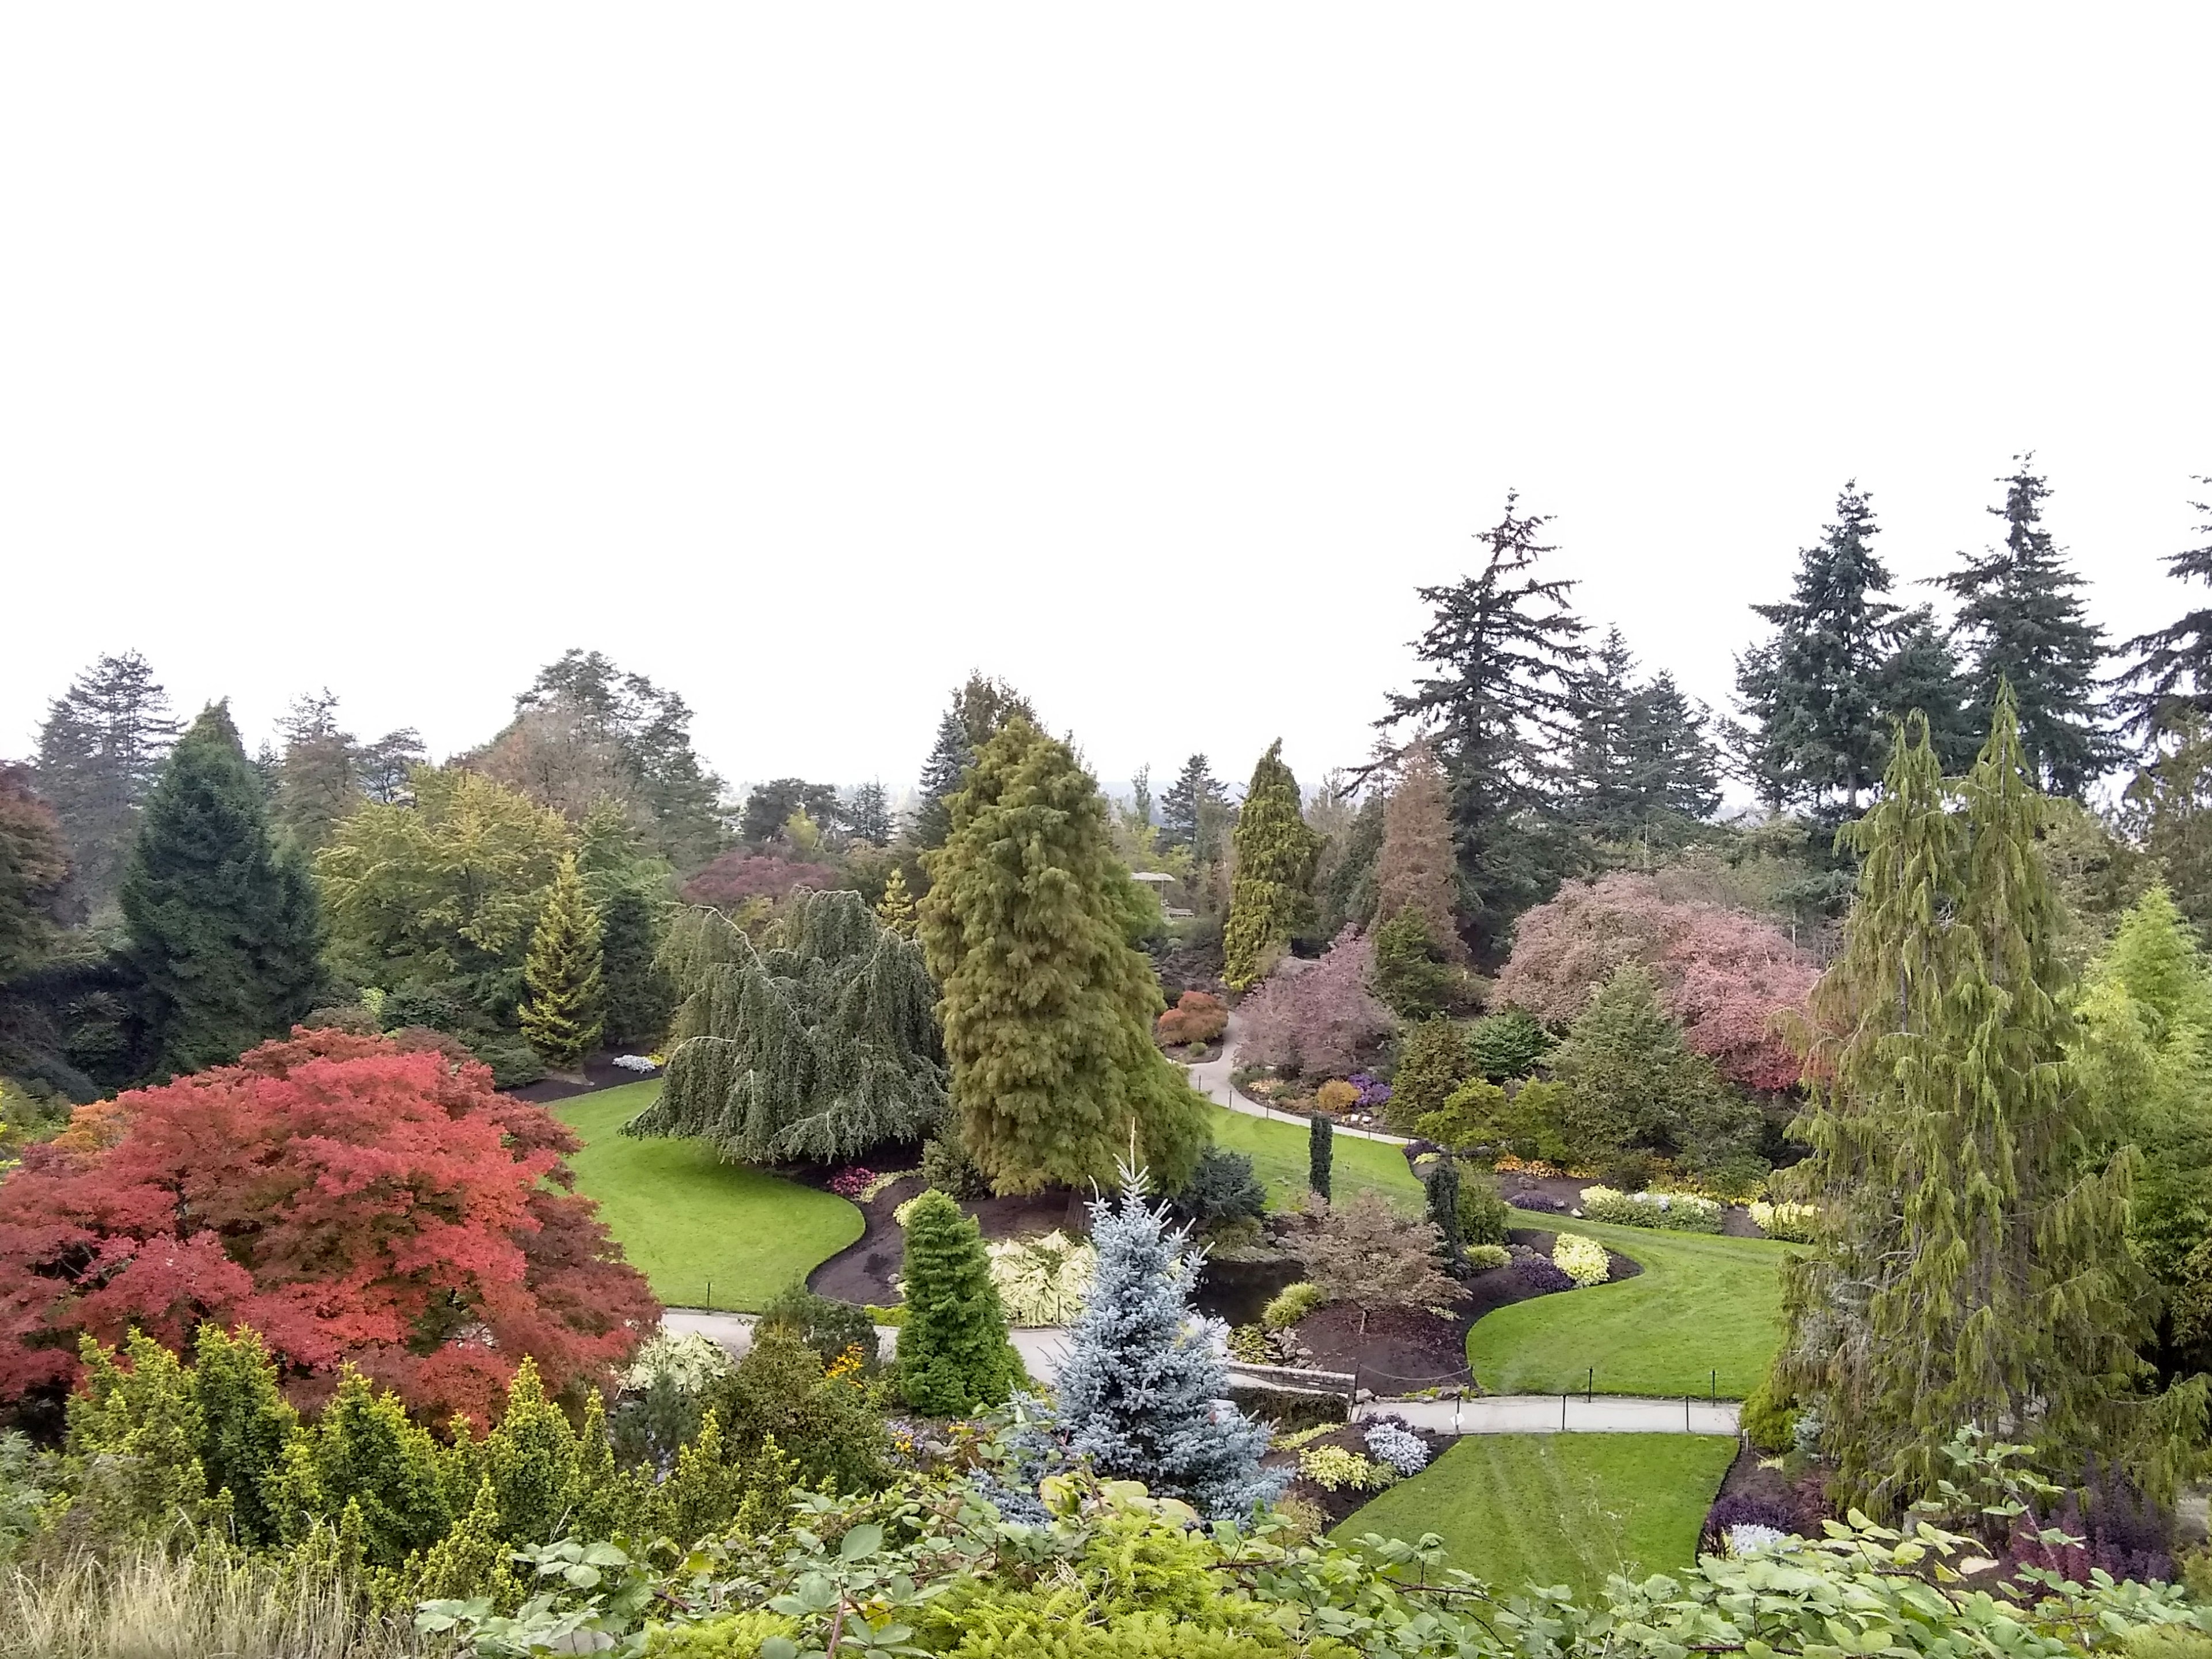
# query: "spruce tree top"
[[2172, 675]]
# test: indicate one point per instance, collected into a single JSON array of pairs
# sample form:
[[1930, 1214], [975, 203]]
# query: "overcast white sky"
[[803, 357]]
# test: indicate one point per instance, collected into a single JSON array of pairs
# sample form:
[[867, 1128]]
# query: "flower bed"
[[1582, 1260], [1792, 1222], [1680, 1212]]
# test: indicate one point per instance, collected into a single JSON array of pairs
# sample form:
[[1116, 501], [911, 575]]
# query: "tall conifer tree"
[[1504, 655], [100, 750], [224, 928], [318, 778], [953, 1355], [2022, 621], [2171, 674], [1189, 808], [563, 1012], [1417, 869], [1973, 1268], [1270, 895], [1046, 1006]]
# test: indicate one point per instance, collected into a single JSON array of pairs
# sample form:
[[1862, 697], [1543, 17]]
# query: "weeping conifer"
[[1973, 1268], [560, 1016], [818, 1045]]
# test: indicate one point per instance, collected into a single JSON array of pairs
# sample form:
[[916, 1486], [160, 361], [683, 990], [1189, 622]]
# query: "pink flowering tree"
[[1735, 984], [1319, 1019]]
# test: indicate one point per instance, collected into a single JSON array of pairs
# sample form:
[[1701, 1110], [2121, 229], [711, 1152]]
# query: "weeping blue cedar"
[[1974, 1267], [818, 1045]]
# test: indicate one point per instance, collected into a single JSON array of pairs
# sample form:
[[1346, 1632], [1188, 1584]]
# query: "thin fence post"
[[1685, 1414], [1589, 1386], [1563, 1414], [1713, 1388], [710, 1296]]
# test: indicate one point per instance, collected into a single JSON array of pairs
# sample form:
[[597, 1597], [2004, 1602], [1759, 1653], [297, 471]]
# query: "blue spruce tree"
[[1143, 1395]]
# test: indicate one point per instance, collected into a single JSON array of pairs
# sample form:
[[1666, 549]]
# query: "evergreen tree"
[[1046, 1006], [1416, 869], [896, 908], [868, 815], [1184, 814], [1601, 773], [817, 1044], [364, 1453], [1974, 1267], [1507, 659], [1432, 1061], [770, 807], [1270, 896], [1672, 769], [35, 872], [1143, 1393], [1409, 974], [318, 782], [628, 890], [980, 708], [1344, 873], [245, 1425], [1628, 1081], [1921, 677], [1320, 1154], [529, 1460], [1441, 1188], [386, 766], [1814, 691], [562, 1015], [2021, 617], [2169, 815], [953, 1355], [2171, 674], [100, 750], [224, 929]]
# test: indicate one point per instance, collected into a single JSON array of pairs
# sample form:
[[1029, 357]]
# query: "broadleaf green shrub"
[[1581, 1259]]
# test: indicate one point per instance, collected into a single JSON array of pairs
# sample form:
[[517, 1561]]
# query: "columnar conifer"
[[1046, 1006], [896, 908], [1974, 1268], [1269, 894], [1321, 1153], [560, 1016], [1417, 869], [224, 928], [953, 1354]]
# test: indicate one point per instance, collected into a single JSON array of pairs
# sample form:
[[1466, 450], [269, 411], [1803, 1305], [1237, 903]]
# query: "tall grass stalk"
[[208, 1603]]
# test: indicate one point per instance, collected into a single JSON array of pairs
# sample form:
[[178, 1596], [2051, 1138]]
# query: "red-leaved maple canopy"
[[348, 1200]]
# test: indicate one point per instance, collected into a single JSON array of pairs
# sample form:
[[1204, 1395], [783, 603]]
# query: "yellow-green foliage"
[[1336, 1096], [1334, 1468], [471, 1560], [1268, 891], [733, 1636], [561, 1015], [1292, 1303], [1793, 1221], [531, 1460], [1581, 1259]]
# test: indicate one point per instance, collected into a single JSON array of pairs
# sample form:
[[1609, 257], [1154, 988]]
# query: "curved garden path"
[[1211, 1078]]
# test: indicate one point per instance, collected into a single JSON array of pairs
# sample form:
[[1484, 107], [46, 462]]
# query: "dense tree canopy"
[[352, 1202], [224, 926], [1193, 809], [817, 1044], [1318, 1018], [319, 778], [564, 1005], [980, 707], [2171, 674], [100, 749], [34, 872], [1046, 1006]]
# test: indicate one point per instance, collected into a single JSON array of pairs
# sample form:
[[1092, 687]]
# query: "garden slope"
[[1703, 1303], [1559, 1509], [686, 1219]]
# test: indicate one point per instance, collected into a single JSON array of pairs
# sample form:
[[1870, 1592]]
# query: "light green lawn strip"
[[1277, 1149], [685, 1217], [1516, 1509], [1702, 1303]]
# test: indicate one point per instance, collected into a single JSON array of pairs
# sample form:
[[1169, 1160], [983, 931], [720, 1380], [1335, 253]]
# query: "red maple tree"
[[349, 1199], [1732, 982]]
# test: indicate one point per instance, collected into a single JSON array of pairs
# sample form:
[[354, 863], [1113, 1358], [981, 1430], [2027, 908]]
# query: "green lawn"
[[687, 1219], [1702, 1303], [1559, 1509], [1278, 1148]]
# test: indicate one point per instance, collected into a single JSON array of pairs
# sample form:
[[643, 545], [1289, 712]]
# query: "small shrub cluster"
[[1582, 1260], [946, 1166], [1222, 1191], [1334, 1469], [852, 1183], [1336, 1096], [1374, 1093], [1481, 1258], [1484, 1214], [1538, 1273], [1290, 1304], [1680, 1212], [1503, 1047], [1198, 1016], [1398, 1446], [1768, 1520], [1042, 1281], [1793, 1221]]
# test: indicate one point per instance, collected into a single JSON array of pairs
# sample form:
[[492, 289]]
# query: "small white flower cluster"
[[1581, 1259], [1793, 1221], [1749, 1538], [1402, 1449], [635, 1063], [1681, 1212]]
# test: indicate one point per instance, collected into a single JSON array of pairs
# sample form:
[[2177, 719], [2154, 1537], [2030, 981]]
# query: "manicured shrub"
[[1364, 1251], [825, 1424], [1502, 1046], [1197, 1017], [1410, 975], [1769, 1419], [1336, 1096], [1319, 1154], [946, 1166], [1398, 1446], [1540, 1275], [1335, 1468], [1481, 1258], [831, 1328], [1292, 1303], [1222, 1189], [1681, 1213], [953, 1355], [1432, 1061], [1440, 1187], [1484, 1214], [1581, 1259], [1794, 1222]]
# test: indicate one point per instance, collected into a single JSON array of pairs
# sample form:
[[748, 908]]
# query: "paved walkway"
[[1042, 1351], [1211, 1078]]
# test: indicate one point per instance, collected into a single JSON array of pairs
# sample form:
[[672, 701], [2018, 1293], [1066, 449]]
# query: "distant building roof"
[[1150, 875]]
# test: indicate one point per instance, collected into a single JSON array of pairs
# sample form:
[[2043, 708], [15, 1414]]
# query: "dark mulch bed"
[[1403, 1350], [599, 1073], [1542, 1242], [1561, 1194], [862, 1272], [1342, 1504], [1800, 1498], [1195, 1053]]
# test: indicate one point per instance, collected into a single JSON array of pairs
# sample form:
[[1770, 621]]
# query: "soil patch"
[[1342, 1504], [862, 1272], [1800, 1499], [599, 1073], [1402, 1351]]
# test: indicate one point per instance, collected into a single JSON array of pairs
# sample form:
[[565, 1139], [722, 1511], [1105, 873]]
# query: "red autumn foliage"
[[1197, 1017], [1732, 982], [738, 875], [349, 1200]]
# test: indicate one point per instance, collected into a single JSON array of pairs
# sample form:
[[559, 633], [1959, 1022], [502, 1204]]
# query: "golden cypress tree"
[[1269, 894], [896, 908], [561, 1015]]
